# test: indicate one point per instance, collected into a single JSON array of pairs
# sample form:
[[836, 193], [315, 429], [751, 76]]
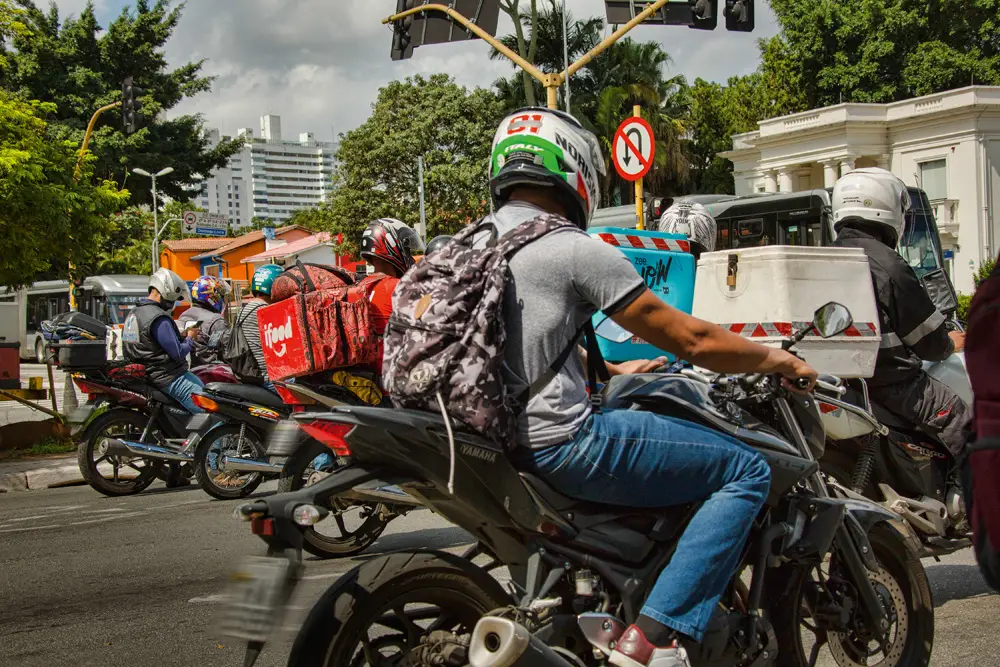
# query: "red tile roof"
[[195, 244], [246, 239], [293, 248]]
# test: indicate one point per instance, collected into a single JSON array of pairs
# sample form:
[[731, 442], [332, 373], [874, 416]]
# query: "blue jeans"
[[182, 388], [641, 459]]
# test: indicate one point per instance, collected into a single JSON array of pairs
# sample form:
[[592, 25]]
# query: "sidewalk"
[[43, 472]]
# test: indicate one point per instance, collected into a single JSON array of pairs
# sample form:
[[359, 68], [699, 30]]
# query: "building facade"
[[948, 144], [270, 177]]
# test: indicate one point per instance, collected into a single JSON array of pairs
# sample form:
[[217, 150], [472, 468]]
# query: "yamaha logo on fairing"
[[276, 334], [479, 453]]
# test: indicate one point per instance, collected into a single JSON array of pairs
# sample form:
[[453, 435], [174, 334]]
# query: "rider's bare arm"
[[703, 343]]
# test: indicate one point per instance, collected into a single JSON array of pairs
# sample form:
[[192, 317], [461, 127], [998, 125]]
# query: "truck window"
[[754, 232]]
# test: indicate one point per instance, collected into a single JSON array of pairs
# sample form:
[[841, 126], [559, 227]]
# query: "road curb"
[[41, 478]]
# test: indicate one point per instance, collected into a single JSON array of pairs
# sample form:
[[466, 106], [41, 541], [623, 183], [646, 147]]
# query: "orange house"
[[178, 255], [222, 257]]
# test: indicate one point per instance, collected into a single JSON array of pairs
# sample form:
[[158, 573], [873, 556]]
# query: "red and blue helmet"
[[210, 292]]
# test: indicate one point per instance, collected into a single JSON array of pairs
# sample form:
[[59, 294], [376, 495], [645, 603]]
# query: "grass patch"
[[47, 447]]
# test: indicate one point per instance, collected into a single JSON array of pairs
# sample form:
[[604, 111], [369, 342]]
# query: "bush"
[[984, 271], [964, 300]]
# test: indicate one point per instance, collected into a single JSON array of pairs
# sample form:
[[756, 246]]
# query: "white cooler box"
[[768, 293]]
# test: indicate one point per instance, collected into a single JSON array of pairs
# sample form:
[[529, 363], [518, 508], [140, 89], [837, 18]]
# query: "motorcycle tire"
[[340, 621], [88, 455], [208, 479], [901, 581], [293, 478]]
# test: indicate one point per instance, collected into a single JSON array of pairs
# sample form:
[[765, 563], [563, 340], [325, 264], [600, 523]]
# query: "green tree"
[[128, 238], [886, 50], [79, 66], [450, 126], [47, 218]]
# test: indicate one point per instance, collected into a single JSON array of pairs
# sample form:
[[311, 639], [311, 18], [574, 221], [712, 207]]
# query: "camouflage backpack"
[[444, 347]]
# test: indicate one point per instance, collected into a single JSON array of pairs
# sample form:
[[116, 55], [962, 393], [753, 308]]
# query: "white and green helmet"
[[546, 148]]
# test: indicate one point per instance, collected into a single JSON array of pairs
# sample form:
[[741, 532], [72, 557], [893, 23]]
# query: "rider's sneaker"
[[634, 650]]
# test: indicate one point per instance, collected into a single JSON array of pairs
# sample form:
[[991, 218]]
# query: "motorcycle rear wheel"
[[378, 612], [905, 593], [296, 475], [139, 473]]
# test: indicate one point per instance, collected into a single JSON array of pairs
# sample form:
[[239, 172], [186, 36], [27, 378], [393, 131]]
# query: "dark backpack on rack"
[[444, 347], [236, 352]]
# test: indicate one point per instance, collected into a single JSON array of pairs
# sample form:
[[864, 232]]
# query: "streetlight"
[[156, 229]]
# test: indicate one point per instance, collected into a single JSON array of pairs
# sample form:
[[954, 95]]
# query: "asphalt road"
[[93, 581]]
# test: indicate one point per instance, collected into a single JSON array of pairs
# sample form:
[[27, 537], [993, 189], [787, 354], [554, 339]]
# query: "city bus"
[[108, 298]]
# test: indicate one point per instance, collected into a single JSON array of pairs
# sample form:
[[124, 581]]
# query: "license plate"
[[258, 592]]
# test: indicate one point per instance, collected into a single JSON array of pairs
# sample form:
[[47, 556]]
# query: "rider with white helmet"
[[869, 212], [692, 220], [545, 163], [150, 338]]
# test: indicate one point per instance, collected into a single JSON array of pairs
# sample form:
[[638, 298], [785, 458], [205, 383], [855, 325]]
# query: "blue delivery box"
[[666, 264]]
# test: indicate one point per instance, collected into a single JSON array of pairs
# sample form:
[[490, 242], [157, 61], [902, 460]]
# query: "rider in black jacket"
[[869, 208]]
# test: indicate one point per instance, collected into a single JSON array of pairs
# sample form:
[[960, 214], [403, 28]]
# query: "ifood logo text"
[[276, 334]]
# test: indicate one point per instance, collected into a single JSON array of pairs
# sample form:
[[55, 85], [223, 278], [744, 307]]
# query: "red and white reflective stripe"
[[829, 409], [779, 329], [645, 242]]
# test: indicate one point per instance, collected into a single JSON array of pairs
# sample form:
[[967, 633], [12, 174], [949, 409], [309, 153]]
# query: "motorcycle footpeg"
[[499, 642]]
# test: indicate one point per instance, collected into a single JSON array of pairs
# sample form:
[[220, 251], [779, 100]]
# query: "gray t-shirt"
[[559, 281]]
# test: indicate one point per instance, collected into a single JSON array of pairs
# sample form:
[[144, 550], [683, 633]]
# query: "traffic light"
[[130, 105], [704, 14], [401, 37], [739, 15]]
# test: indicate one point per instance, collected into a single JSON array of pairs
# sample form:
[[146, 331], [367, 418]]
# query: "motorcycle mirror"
[[609, 329], [831, 319]]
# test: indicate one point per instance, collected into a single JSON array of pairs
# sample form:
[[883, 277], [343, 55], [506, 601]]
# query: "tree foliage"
[[128, 238], [47, 218], [449, 126], [79, 66]]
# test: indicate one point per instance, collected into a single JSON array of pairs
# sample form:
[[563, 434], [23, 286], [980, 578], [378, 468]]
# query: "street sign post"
[[632, 150], [205, 224]]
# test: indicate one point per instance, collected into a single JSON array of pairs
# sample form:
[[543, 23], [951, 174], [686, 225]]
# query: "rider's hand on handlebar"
[[793, 368], [958, 338], [637, 366]]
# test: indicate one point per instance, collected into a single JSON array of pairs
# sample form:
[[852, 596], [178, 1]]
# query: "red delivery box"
[[284, 339], [314, 332]]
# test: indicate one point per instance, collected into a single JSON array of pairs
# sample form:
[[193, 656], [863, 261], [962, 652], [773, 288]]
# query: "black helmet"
[[393, 241], [437, 243]]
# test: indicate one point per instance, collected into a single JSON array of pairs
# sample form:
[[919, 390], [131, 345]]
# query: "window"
[[934, 179], [212, 270]]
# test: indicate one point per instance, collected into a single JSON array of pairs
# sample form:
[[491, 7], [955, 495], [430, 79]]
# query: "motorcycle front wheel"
[[805, 627], [209, 468]]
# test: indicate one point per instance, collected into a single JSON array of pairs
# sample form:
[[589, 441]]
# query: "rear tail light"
[[204, 402], [291, 398], [87, 388], [330, 434]]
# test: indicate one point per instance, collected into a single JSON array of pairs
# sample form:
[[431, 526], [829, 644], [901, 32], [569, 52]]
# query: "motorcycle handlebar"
[[831, 388]]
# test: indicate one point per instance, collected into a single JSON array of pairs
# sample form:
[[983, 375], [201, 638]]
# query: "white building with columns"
[[947, 143]]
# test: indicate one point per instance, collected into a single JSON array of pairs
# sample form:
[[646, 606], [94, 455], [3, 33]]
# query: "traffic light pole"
[[86, 137], [553, 81]]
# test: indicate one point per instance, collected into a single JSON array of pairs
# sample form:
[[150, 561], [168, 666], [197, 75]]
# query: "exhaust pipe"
[[499, 642], [231, 464], [127, 448], [378, 492]]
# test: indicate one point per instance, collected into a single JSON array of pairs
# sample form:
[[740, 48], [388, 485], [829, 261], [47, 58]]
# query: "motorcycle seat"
[[562, 503], [160, 396], [247, 392]]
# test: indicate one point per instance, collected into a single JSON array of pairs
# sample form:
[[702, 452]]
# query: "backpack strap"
[[538, 227], [310, 285], [596, 368]]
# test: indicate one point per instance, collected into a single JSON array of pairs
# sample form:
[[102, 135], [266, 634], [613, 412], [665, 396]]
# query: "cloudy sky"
[[319, 63]]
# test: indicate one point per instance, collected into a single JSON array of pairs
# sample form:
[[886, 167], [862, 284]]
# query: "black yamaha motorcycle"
[[818, 572]]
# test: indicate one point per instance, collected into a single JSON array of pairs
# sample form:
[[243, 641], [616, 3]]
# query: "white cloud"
[[319, 63]]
